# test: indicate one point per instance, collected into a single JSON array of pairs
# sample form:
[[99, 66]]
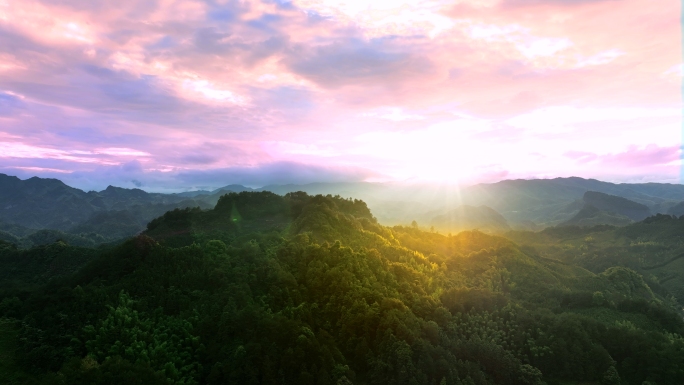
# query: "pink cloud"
[[581, 156], [645, 157], [634, 157], [190, 85]]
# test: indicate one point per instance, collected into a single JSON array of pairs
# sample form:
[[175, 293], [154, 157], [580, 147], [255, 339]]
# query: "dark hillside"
[[617, 205], [653, 247], [118, 224], [543, 200], [48, 204], [24, 269], [677, 210], [592, 216], [42, 203]]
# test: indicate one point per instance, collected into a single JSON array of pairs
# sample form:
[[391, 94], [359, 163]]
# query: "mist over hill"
[[533, 203], [27, 206], [591, 216], [618, 205], [468, 217], [605, 209]]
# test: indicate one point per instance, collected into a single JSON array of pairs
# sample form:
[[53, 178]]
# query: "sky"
[[171, 95]]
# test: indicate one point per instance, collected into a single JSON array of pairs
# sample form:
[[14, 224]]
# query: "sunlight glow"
[[206, 89], [385, 17], [441, 153]]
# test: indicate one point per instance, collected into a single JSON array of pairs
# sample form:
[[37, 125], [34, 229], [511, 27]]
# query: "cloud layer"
[[188, 94]]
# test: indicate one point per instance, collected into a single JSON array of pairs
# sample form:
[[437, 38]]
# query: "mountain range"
[[604, 209], [57, 211]]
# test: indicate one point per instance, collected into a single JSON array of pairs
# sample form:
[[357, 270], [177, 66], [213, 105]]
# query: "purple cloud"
[[181, 92], [636, 157]]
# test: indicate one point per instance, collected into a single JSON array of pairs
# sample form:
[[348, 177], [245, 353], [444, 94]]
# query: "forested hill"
[[39, 211], [615, 204], [604, 209], [49, 203], [95, 217], [653, 247], [299, 289]]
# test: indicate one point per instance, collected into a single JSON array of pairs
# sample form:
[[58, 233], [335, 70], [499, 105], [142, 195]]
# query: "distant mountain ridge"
[[619, 205], [545, 201], [41, 203], [591, 216], [38, 203], [537, 202], [606, 209], [677, 210]]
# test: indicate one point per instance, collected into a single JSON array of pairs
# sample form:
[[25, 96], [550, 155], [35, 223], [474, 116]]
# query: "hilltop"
[[617, 205], [605, 209], [115, 213]]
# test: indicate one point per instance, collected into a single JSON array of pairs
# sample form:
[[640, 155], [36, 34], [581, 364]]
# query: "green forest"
[[312, 290]]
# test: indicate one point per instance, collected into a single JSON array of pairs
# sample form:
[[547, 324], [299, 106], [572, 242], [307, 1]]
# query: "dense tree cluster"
[[312, 290]]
